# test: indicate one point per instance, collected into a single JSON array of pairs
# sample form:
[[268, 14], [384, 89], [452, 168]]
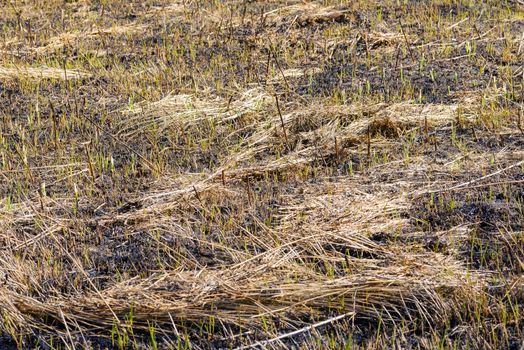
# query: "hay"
[[75, 38], [186, 110], [42, 73], [305, 14], [278, 280]]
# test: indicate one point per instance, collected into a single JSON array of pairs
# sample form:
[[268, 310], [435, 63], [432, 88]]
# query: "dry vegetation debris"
[[261, 174], [42, 73]]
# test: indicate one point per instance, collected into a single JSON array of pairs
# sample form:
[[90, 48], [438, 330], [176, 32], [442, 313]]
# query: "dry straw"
[[42, 72]]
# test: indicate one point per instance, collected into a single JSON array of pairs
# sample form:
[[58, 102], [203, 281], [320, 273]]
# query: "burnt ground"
[[209, 176]]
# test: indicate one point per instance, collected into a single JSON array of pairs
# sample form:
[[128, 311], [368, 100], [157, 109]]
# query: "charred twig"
[[282, 121], [406, 39], [369, 145]]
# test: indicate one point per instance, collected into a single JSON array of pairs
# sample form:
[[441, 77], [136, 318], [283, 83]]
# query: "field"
[[261, 174]]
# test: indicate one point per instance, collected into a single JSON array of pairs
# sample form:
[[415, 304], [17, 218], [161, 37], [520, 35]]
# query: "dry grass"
[[279, 174], [74, 39], [42, 73], [185, 111]]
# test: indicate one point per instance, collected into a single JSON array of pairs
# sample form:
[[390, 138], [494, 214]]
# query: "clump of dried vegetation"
[[261, 174]]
